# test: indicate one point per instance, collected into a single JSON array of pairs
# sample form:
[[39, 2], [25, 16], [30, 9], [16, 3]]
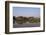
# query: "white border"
[[11, 29]]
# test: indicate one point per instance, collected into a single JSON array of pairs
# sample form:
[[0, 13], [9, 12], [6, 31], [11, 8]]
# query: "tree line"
[[21, 19]]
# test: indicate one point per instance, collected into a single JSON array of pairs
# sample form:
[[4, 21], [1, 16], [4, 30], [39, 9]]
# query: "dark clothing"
[[14, 20]]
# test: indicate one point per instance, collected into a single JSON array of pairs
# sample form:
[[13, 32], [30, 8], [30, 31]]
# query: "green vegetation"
[[34, 20], [21, 20]]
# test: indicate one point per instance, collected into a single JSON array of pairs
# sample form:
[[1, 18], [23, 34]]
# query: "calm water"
[[16, 25]]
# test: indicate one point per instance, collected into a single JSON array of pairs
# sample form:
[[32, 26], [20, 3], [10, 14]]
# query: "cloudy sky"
[[26, 11]]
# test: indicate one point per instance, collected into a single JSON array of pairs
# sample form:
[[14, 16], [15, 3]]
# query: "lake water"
[[16, 25]]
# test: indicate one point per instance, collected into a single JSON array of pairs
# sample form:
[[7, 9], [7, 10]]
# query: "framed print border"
[[7, 16]]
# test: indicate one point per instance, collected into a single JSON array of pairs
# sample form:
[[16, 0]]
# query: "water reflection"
[[17, 25]]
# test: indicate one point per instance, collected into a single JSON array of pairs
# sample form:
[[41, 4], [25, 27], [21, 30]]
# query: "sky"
[[26, 11]]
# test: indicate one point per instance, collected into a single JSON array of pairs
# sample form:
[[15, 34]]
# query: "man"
[[14, 19]]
